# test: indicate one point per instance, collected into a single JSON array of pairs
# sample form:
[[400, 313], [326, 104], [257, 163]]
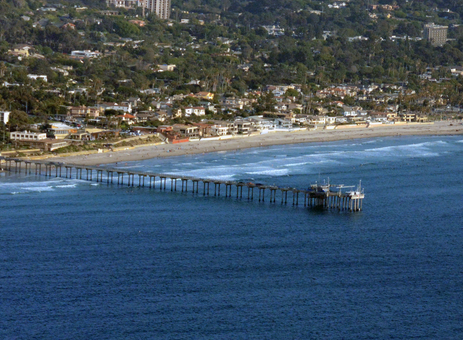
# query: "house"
[[37, 77], [161, 115], [205, 95], [283, 123], [61, 131], [456, 71], [186, 130], [145, 116], [261, 124], [349, 111], [197, 111], [21, 50], [151, 92], [274, 30], [165, 67], [80, 136], [164, 129], [84, 111], [204, 129], [144, 130], [84, 54], [128, 118], [126, 108], [219, 130], [175, 138], [69, 26], [139, 23], [242, 126]]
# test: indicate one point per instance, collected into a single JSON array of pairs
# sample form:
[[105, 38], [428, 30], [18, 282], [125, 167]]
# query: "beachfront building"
[[186, 130], [243, 126], [27, 136], [261, 124], [219, 130], [60, 130]]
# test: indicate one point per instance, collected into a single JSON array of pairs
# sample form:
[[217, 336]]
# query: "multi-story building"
[[160, 7], [435, 34], [125, 3]]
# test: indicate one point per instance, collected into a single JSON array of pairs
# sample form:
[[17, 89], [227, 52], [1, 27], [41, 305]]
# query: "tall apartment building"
[[436, 35], [160, 7], [124, 3]]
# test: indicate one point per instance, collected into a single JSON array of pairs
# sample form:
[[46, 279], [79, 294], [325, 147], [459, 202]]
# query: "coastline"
[[273, 138]]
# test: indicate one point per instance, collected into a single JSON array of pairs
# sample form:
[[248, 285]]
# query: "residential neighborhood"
[[196, 85]]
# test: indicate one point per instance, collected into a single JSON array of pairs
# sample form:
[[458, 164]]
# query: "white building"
[[37, 76], [27, 135], [159, 7], [166, 67], [219, 130], [197, 111], [85, 54], [127, 108], [4, 117]]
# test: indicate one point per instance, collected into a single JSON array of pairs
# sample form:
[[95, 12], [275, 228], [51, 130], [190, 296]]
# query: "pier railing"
[[351, 200]]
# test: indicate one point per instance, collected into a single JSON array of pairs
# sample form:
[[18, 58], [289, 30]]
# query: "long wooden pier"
[[315, 196]]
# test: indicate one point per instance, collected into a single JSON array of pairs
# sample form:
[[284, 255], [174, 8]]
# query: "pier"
[[326, 196]]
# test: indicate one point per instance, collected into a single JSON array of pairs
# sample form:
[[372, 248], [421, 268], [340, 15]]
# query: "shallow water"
[[87, 260]]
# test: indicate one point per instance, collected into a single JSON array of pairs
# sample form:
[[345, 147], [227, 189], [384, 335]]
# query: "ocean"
[[87, 260]]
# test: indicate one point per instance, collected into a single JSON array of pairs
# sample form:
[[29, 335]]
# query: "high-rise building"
[[436, 35], [124, 3], [160, 7]]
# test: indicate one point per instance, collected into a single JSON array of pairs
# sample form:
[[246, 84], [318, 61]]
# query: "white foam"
[[66, 186], [39, 189], [275, 172]]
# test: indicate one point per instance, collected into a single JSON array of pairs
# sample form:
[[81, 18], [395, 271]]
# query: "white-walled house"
[[37, 77], [197, 111], [219, 130]]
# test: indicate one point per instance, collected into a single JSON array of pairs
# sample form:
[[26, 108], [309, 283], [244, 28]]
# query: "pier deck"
[[314, 196]]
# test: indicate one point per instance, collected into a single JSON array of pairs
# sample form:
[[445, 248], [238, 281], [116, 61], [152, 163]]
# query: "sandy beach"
[[273, 138]]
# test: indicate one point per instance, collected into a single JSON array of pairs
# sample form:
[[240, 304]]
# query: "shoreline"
[[145, 152]]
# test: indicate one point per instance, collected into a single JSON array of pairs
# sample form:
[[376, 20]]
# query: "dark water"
[[82, 260]]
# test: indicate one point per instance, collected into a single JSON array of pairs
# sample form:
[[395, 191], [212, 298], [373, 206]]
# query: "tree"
[[18, 121]]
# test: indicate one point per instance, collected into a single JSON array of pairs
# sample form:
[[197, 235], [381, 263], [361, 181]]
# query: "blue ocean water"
[[87, 260]]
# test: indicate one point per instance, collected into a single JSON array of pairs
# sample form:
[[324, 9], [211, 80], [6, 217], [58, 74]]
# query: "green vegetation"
[[221, 47]]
